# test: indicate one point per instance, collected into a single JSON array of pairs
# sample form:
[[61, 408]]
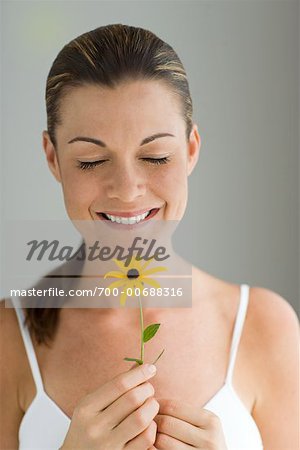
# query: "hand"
[[181, 427], [117, 416]]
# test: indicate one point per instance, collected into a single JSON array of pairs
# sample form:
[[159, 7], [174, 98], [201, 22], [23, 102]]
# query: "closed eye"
[[163, 160], [85, 165]]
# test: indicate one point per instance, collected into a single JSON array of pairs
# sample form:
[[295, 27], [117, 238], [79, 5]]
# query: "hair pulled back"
[[110, 55]]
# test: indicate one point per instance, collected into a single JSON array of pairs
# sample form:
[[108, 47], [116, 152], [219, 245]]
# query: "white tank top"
[[45, 425]]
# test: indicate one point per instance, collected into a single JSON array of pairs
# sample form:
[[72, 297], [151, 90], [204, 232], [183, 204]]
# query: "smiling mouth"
[[129, 220]]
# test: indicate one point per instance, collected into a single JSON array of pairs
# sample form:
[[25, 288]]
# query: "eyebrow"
[[102, 144]]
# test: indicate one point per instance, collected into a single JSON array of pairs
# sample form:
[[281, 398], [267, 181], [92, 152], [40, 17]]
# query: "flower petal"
[[131, 284], [121, 265], [146, 263], [116, 284], [154, 270], [114, 274], [135, 264], [139, 285], [151, 282]]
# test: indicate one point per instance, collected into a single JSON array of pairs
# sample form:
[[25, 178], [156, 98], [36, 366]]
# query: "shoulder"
[[10, 336], [12, 352], [11, 363], [271, 325], [12, 345], [272, 318], [9, 327], [274, 329], [267, 312]]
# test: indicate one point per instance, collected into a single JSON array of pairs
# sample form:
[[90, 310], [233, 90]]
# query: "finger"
[[178, 429], [134, 366], [115, 388], [137, 422], [201, 417], [127, 403], [165, 442], [145, 439]]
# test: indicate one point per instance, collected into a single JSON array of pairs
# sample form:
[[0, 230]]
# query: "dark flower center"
[[133, 273]]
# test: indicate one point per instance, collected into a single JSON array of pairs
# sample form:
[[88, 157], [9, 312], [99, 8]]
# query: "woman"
[[122, 142]]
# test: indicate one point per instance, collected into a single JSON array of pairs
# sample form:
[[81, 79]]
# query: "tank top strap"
[[237, 331], [28, 345]]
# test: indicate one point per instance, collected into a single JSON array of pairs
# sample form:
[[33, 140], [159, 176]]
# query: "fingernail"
[[151, 368]]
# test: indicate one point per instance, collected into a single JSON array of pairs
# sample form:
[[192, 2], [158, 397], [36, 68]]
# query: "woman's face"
[[123, 152]]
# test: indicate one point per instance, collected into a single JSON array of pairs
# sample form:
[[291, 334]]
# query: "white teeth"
[[128, 220]]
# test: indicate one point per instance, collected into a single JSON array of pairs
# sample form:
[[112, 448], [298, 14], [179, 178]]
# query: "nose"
[[126, 184]]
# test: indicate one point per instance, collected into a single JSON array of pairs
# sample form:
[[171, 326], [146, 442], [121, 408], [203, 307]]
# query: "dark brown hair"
[[109, 55], [106, 57]]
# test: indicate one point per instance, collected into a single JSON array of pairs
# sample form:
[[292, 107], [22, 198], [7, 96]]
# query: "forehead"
[[132, 104]]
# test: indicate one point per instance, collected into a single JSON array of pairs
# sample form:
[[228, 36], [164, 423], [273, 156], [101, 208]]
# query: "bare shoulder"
[[271, 328], [275, 331], [12, 346], [11, 363], [269, 315], [272, 319], [263, 298], [10, 338]]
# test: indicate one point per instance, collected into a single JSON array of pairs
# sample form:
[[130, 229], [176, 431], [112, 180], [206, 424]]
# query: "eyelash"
[[86, 165]]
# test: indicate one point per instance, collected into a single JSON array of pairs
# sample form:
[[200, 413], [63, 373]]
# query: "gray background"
[[242, 59]]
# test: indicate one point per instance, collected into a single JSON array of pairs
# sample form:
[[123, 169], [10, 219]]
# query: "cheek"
[[79, 188], [173, 179], [176, 188], [171, 186]]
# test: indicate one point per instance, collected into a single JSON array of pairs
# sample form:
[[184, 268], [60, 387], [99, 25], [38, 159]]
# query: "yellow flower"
[[133, 276]]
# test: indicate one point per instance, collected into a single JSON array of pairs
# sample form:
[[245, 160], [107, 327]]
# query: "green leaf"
[[139, 361], [150, 331]]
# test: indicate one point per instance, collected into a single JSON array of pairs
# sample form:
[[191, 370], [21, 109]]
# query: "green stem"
[[142, 329], [158, 356]]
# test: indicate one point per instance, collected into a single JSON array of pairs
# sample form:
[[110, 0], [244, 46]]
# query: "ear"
[[194, 146], [51, 155]]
